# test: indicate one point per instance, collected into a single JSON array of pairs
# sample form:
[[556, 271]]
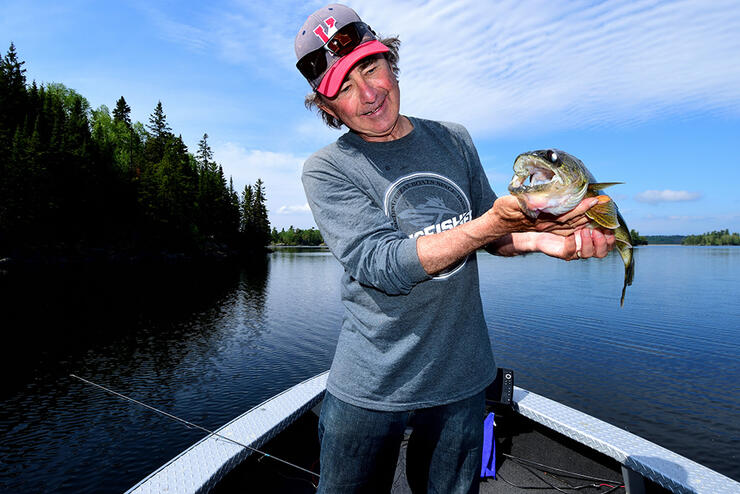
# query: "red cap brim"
[[334, 77]]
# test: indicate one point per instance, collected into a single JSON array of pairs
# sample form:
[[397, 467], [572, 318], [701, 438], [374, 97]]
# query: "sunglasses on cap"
[[314, 64]]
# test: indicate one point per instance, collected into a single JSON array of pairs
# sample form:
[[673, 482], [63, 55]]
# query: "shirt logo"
[[325, 35], [425, 204]]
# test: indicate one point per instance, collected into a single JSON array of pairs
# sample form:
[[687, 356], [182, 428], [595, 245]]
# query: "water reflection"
[[57, 314], [152, 332]]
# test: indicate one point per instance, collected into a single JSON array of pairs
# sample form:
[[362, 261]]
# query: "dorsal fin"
[[602, 185]]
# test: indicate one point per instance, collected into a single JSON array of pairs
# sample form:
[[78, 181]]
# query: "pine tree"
[[158, 123], [161, 134], [12, 86], [247, 222], [204, 156], [122, 112], [184, 188], [78, 129], [12, 98], [261, 222]]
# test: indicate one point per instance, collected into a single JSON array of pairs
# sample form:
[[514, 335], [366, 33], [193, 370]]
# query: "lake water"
[[207, 344]]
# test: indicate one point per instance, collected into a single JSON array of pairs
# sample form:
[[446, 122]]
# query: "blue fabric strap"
[[488, 465]]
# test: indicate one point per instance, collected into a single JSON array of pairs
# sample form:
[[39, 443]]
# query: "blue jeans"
[[359, 447]]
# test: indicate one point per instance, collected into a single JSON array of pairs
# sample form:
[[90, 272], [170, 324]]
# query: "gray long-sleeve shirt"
[[408, 340]]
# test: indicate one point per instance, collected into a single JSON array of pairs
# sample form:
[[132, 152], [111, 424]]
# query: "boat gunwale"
[[305, 395], [650, 460]]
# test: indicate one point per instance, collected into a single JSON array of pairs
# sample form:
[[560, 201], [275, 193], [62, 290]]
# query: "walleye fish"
[[553, 181]]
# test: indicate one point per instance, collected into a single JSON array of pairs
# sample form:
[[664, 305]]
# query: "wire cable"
[[553, 486], [190, 424], [561, 471], [555, 472], [550, 487]]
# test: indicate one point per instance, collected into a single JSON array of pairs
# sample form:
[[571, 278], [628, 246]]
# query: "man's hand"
[[507, 217], [582, 244], [565, 237]]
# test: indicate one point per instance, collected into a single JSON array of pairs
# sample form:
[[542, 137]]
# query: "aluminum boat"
[[541, 446]]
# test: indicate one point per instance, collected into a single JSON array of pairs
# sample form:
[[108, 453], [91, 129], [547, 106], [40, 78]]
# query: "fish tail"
[[629, 275]]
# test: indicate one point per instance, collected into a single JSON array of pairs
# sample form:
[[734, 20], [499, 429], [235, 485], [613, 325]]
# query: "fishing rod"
[[190, 424]]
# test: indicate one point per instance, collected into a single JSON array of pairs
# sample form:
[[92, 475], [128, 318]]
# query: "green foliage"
[[637, 239], [13, 96], [74, 177], [122, 112], [296, 236], [254, 225], [721, 237], [664, 239]]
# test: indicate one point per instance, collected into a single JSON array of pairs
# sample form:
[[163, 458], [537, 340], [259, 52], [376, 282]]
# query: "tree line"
[[296, 236], [716, 237], [664, 239], [637, 239], [73, 177]]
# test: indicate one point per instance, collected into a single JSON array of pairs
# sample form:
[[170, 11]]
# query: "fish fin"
[[625, 250], [605, 214], [623, 234], [624, 246], [629, 268], [593, 187], [624, 290]]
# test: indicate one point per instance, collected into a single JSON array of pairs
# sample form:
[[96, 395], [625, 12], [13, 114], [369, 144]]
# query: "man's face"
[[368, 100]]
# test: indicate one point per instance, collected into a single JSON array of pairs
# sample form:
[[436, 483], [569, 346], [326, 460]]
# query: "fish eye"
[[553, 157]]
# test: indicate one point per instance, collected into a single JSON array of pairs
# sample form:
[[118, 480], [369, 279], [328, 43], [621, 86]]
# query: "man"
[[403, 204]]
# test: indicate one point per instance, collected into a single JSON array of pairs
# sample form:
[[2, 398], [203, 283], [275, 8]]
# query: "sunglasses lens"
[[345, 40], [313, 64]]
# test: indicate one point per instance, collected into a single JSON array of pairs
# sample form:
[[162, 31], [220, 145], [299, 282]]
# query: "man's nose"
[[368, 92]]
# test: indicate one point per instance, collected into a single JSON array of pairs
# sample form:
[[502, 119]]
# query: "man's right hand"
[[506, 217]]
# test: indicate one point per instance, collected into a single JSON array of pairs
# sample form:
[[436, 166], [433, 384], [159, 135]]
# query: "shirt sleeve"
[[358, 232]]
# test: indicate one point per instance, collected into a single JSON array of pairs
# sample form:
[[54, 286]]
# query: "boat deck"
[[519, 442]]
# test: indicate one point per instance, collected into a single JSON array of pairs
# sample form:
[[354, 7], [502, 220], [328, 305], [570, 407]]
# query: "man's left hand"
[[582, 244]]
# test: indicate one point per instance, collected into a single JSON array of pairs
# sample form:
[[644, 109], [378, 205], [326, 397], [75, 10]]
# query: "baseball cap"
[[332, 40]]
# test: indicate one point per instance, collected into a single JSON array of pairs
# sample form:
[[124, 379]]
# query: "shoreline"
[[111, 257]]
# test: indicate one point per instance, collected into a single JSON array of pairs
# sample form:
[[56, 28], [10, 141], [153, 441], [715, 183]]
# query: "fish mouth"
[[532, 173]]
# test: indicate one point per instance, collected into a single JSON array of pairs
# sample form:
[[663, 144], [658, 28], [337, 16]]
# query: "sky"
[[643, 92]]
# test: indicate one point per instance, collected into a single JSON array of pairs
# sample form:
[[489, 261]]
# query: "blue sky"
[[644, 92]]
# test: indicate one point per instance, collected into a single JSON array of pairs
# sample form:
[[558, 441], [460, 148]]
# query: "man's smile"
[[375, 110]]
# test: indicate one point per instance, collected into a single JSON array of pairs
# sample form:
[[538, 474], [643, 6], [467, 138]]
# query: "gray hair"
[[314, 99]]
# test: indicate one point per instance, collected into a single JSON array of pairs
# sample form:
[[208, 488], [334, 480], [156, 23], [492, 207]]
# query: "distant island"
[[296, 236], [716, 237], [721, 237]]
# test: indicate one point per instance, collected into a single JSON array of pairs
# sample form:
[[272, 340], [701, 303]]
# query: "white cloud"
[[311, 129], [513, 65], [672, 224], [657, 196], [281, 174], [498, 66], [294, 209], [248, 33]]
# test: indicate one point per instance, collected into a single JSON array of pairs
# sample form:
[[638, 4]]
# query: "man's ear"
[[324, 107]]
